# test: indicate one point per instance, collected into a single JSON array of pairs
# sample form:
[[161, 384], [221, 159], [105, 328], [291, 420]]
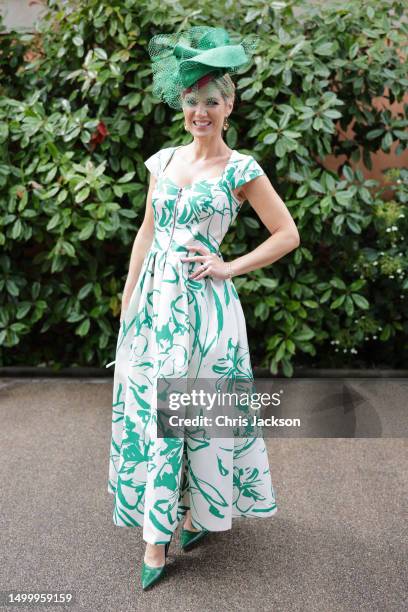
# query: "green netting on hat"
[[180, 59]]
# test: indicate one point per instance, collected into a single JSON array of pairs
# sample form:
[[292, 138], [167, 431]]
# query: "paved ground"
[[337, 543]]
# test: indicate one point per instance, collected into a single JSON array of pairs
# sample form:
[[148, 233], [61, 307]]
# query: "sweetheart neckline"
[[215, 178], [212, 178]]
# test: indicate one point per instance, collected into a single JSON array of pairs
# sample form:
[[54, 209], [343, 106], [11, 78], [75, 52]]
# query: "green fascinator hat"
[[181, 59]]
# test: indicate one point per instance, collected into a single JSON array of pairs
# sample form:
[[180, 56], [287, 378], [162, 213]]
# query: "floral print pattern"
[[180, 327]]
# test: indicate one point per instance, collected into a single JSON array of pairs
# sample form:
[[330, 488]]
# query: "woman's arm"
[[141, 245], [276, 217]]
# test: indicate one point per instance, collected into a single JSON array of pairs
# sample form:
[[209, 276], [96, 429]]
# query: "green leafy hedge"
[[77, 119]]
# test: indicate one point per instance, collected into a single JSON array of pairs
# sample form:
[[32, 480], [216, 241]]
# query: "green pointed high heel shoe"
[[189, 538], [151, 575]]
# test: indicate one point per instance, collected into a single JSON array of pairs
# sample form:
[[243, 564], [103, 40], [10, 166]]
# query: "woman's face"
[[205, 110]]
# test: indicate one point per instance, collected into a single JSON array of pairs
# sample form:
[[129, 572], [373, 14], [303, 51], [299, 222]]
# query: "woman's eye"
[[191, 102]]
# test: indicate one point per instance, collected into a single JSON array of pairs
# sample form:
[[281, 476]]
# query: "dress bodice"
[[202, 212]]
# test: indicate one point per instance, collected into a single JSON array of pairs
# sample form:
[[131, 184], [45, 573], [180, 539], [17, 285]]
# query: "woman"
[[181, 315]]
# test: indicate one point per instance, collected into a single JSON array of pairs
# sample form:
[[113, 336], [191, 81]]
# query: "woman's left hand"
[[212, 265]]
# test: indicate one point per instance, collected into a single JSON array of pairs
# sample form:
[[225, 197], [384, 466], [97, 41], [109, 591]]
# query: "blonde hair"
[[226, 87], [223, 83]]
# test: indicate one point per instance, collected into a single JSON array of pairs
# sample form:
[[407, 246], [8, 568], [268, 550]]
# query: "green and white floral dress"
[[176, 326]]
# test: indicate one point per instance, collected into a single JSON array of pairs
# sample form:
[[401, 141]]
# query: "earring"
[[226, 124], [185, 127]]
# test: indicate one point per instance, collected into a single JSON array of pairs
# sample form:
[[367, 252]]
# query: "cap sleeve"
[[246, 171], [153, 164]]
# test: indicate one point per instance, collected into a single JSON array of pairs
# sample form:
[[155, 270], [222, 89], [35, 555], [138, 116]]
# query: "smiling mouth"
[[202, 123]]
